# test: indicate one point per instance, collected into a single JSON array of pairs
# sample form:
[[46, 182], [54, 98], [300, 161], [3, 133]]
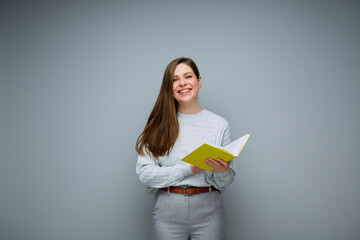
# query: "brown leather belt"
[[189, 190]]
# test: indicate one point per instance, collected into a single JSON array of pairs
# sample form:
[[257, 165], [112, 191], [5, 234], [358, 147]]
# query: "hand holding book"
[[199, 156]]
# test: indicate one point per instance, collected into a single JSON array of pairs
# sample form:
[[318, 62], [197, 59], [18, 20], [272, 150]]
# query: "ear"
[[200, 81]]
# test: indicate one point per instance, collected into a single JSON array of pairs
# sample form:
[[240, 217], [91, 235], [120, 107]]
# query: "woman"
[[188, 202]]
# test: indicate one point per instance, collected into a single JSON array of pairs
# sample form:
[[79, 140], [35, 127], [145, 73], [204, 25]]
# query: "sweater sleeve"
[[150, 174], [221, 180]]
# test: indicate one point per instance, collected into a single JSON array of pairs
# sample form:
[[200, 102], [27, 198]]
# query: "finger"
[[196, 169], [214, 164], [199, 169], [223, 162], [208, 161]]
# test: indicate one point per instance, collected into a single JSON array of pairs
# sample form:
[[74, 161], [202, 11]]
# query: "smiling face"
[[185, 85]]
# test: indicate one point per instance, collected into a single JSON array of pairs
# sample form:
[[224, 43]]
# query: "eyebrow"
[[184, 74]]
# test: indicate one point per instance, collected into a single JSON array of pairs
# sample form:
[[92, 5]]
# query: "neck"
[[189, 108]]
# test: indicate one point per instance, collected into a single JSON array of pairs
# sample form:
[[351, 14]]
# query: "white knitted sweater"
[[195, 129]]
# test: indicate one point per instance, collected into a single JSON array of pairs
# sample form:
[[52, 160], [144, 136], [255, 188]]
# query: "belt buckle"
[[185, 194]]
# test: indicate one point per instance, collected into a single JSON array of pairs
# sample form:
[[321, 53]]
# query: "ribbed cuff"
[[222, 175]]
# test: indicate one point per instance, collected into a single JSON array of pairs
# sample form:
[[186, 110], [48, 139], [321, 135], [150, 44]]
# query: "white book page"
[[236, 145]]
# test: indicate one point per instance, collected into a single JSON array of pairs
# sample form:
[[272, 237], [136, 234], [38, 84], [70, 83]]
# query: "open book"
[[227, 153]]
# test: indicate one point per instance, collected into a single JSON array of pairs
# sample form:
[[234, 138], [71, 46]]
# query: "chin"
[[185, 99]]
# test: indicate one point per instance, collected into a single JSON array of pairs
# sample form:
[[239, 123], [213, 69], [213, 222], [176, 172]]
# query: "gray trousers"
[[195, 217]]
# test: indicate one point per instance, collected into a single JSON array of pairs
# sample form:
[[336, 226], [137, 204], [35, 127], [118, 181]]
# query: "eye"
[[174, 80], [189, 76]]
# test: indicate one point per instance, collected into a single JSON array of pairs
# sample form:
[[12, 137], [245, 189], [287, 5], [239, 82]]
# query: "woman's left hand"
[[218, 165]]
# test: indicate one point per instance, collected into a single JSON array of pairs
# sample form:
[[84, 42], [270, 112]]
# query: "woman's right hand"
[[195, 169]]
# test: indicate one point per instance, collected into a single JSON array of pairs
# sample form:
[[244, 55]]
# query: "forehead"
[[181, 69]]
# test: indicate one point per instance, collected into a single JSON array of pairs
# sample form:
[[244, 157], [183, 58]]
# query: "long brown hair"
[[162, 128]]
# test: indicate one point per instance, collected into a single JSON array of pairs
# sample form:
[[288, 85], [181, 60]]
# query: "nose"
[[182, 81]]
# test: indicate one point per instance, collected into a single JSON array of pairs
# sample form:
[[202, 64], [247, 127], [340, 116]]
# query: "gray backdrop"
[[79, 79]]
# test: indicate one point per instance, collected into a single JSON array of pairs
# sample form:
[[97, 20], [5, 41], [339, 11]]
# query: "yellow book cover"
[[227, 153]]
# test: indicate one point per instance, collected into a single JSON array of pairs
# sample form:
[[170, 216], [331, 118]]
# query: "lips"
[[184, 90]]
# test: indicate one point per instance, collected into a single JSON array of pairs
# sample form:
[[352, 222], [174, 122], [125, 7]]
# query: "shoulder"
[[215, 118]]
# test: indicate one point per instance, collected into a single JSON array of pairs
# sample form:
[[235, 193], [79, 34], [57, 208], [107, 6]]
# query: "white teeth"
[[184, 91]]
